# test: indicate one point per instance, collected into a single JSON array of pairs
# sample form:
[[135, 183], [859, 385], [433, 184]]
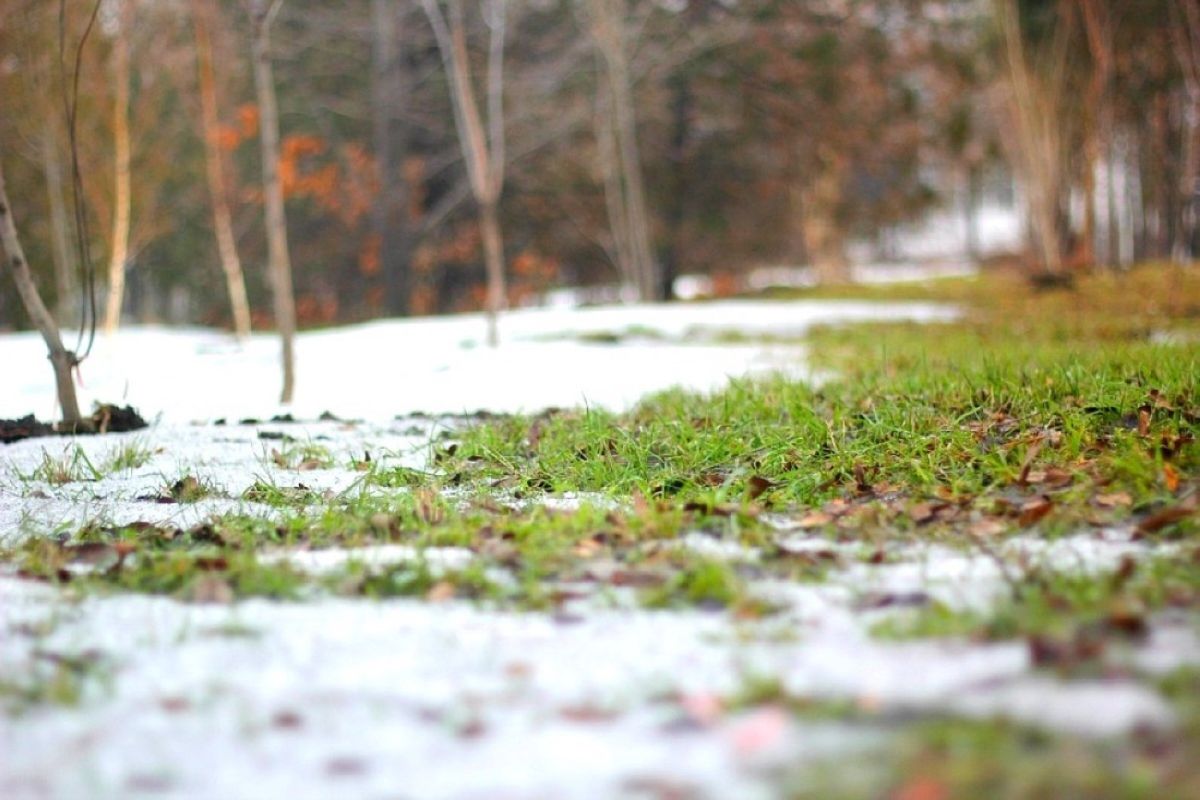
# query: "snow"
[[436, 365], [450, 700]]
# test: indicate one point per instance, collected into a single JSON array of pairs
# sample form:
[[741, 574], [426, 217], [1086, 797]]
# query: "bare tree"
[[262, 13], [616, 123], [231, 264], [482, 146], [1185, 34], [1037, 87], [393, 226], [119, 253], [1098, 144], [62, 359]]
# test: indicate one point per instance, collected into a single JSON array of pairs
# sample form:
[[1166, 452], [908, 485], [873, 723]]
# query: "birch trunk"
[[279, 265], [62, 360], [231, 264], [119, 254], [483, 149], [64, 268]]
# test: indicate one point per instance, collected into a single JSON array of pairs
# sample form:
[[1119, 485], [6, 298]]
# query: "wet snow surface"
[[410, 699]]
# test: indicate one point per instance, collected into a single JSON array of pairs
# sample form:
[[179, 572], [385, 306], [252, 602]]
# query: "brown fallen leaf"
[[1048, 651], [1034, 510], [186, 490], [210, 589], [922, 788], [1168, 516], [986, 528], [1035, 447], [921, 513], [1127, 616], [586, 712], [287, 720], [1145, 414], [757, 485], [440, 592], [814, 519], [1114, 500]]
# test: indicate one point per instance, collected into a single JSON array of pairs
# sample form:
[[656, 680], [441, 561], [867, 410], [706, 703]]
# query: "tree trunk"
[[64, 268], [279, 263], [483, 150], [1098, 140], [608, 27], [62, 360], [676, 211], [824, 236], [391, 221], [1185, 33], [493, 252], [1037, 93], [614, 197], [119, 255], [231, 264], [971, 213]]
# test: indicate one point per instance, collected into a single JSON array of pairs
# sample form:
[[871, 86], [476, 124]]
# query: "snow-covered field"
[[405, 698]]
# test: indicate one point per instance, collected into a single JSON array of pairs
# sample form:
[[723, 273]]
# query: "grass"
[[72, 466], [1067, 616]]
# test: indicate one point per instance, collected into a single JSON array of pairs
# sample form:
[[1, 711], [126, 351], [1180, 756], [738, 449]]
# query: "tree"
[[1185, 36], [394, 232], [62, 359], [482, 147], [1037, 82], [119, 254], [262, 14], [231, 264], [616, 132]]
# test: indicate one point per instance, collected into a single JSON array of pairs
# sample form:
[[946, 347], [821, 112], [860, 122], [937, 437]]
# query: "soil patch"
[[105, 419]]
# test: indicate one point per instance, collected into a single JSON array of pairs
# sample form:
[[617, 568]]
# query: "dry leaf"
[[814, 519], [1035, 447], [1034, 510], [986, 528], [1143, 424], [210, 589], [440, 592], [1170, 478], [1168, 516], [1114, 500], [757, 485]]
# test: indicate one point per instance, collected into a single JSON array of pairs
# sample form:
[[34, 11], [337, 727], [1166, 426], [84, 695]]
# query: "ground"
[[929, 540]]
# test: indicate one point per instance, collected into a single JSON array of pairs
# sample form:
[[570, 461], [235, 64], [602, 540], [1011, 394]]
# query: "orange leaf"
[[1170, 478]]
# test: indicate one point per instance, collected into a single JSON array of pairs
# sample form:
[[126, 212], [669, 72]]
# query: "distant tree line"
[[437, 155]]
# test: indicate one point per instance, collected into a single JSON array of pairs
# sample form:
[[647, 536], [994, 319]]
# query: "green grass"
[[1067, 616], [71, 466]]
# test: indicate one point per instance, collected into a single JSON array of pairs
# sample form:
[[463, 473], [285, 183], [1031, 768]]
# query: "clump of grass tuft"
[[70, 467], [127, 456]]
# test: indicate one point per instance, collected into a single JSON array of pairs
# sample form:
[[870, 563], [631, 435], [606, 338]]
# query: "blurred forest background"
[[623, 145]]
